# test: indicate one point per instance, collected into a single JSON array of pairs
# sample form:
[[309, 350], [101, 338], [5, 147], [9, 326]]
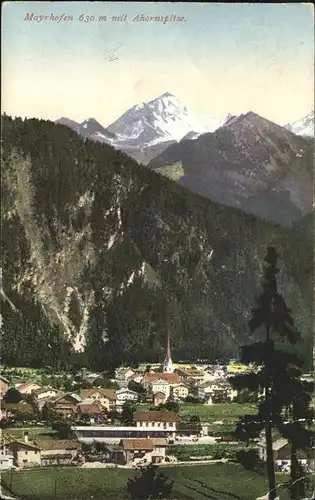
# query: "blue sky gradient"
[[223, 58]]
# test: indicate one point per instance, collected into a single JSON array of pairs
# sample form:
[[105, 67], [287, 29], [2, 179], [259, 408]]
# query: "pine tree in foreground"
[[150, 484], [276, 368], [298, 417]]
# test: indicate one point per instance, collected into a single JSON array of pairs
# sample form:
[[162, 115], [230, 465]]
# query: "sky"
[[219, 59]]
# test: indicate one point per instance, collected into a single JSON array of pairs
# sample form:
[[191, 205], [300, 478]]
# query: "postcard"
[[157, 293]]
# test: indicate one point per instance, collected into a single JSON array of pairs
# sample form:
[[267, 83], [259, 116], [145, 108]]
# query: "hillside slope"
[[101, 256], [250, 163]]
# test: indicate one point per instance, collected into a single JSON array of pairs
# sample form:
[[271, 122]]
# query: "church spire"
[[168, 364], [168, 350]]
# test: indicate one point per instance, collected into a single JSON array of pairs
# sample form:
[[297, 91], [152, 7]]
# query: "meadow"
[[34, 433], [197, 482], [227, 413]]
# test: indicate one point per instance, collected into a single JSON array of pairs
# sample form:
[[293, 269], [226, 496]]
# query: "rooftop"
[[276, 445], [21, 444], [106, 393], [125, 389], [190, 372], [137, 444], [67, 395], [111, 428], [89, 408], [171, 378], [156, 416], [58, 444], [22, 387]]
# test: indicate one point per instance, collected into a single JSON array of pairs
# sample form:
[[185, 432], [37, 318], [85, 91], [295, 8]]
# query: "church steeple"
[[168, 364]]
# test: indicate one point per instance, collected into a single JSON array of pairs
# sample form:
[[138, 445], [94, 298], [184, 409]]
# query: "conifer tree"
[[150, 484], [274, 363], [297, 418]]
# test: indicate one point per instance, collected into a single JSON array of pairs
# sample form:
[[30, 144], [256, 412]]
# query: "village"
[[160, 414]]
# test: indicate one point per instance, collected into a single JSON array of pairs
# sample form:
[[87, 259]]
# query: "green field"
[[33, 432], [216, 451], [228, 413], [215, 481], [174, 172]]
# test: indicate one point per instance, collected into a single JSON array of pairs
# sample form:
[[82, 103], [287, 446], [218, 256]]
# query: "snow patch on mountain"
[[90, 128], [304, 126], [149, 124], [162, 119]]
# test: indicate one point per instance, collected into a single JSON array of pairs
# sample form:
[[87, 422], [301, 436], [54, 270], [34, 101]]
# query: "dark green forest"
[[102, 256]]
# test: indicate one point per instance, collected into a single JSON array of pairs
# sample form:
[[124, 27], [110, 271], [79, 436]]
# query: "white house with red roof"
[[149, 378]]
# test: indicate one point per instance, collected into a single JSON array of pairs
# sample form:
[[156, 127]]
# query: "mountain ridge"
[[226, 166], [251, 163], [83, 222]]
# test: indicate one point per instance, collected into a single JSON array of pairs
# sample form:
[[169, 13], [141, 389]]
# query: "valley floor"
[[196, 482]]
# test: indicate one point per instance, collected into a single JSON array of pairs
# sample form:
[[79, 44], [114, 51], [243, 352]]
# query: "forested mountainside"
[[101, 256]]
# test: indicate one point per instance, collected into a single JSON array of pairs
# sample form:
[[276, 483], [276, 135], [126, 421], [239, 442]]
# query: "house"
[[6, 461], [136, 377], [189, 429], [48, 400], [27, 387], [122, 375], [157, 419], [158, 398], [4, 385], [106, 397], [10, 409], [191, 373], [125, 394], [210, 377], [204, 389], [161, 385], [217, 391], [25, 454], [143, 450], [170, 378], [45, 393], [6, 457], [59, 451], [65, 404], [179, 392], [281, 450], [91, 412]]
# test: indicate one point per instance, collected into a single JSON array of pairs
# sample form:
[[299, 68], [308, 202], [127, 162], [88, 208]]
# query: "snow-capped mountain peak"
[[164, 118], [304, 126]]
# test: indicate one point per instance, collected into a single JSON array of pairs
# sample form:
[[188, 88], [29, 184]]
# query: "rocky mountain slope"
[[90, 128], [250, 163], [102, 256], [146, 129]]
